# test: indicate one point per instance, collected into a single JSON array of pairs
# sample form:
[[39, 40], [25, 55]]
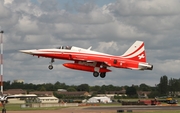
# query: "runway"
[[134, 108]]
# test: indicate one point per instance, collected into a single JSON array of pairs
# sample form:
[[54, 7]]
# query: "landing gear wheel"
[[95, 74], [102, 75], [50, 67]]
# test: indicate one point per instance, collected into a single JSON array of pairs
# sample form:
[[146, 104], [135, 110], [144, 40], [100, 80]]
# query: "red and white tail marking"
[[136, 52]]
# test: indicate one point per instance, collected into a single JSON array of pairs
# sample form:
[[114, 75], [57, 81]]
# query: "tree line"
[[70, 88], [164, 88], [169, 87]]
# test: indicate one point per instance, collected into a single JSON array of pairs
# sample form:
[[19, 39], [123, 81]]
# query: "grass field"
[[17, 107]]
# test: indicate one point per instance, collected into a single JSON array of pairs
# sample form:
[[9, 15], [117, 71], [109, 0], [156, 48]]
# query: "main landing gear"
[[51, 66], [96, 74]]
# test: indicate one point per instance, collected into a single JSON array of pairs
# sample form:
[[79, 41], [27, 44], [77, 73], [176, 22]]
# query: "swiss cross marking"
[[141, 56]]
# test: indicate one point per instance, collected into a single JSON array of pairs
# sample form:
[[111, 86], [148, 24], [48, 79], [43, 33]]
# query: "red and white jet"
[[96, 62]]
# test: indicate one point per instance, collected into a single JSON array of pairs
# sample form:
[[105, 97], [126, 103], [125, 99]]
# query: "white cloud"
[[8, 1], [169, 67], [27, 25], [145, 7], [110, 28], [4, 11]]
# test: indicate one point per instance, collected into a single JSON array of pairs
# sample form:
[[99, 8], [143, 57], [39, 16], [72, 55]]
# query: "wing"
[[95, 58]]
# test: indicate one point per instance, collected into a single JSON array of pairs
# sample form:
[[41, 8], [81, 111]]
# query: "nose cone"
[[27, 51]]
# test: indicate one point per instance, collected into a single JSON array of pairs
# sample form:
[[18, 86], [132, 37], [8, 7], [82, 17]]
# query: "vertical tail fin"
[[136, 52]]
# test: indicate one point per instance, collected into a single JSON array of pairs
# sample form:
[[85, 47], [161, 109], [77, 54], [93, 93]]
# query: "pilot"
[[67, 47]]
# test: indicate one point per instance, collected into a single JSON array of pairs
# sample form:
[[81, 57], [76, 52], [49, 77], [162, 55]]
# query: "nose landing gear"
[[51, 66]]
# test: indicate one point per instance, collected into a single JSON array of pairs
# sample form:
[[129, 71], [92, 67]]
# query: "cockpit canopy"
[[65, 47]]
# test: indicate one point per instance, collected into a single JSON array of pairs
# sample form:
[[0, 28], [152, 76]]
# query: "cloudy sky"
[[109, 26]]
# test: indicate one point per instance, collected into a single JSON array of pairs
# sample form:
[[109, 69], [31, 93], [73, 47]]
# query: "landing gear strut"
[[3, 110], [3, 107], [51, 66]]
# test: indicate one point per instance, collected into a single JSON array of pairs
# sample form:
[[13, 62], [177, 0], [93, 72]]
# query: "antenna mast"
[[1, 61]]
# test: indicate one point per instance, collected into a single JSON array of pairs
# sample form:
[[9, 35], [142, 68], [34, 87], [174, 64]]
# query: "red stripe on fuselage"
[[108, 59]]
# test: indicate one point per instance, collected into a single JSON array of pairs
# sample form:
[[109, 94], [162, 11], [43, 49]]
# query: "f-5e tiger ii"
[[96, 62]]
